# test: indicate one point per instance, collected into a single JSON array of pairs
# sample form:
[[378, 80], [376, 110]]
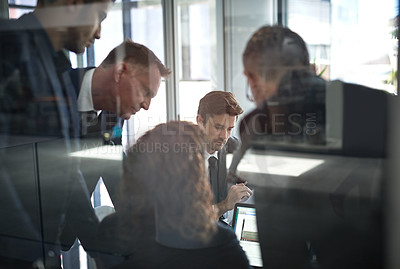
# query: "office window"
[[146, 27], [15, 13], [307, 18], [352, 40], [241, 20], [22, 2], [194, 21], [111, 34]]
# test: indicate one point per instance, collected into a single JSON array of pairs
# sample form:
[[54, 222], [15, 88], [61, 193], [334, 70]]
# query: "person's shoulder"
[[356, 88], [8, 25], [15, 39], [17, 26], [232, 144], [228, 248], [224, 235]]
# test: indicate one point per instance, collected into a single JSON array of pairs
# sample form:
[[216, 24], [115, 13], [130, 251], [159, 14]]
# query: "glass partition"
[[315, 159]]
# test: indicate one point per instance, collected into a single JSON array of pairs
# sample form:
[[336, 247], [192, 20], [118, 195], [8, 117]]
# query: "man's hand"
[[235, 194]]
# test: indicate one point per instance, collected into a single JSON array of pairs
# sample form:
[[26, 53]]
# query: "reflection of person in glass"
[[39, 126], [167, 220]]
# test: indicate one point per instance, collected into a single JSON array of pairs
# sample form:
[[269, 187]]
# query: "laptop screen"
[[244, 224]]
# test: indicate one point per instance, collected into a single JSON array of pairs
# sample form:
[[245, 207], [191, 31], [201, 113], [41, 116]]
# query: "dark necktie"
[[213, 167]]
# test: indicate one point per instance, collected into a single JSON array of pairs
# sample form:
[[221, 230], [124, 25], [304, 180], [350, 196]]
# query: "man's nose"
[[97, 34], [146, 104]]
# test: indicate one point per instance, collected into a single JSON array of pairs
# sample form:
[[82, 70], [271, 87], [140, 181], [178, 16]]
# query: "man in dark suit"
[[216, 116], [39, 126]]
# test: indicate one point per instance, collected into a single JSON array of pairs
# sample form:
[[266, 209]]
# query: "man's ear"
[[119, 68], [251, 77], [199, 120]]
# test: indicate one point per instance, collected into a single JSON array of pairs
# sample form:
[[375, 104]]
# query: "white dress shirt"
[[85, 100]]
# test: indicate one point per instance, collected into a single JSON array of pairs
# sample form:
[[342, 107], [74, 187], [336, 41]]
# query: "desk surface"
[[310, 171]]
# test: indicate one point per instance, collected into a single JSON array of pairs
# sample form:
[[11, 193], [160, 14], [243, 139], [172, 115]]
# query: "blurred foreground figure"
[[39, 128], [316, 151], [167, 220]]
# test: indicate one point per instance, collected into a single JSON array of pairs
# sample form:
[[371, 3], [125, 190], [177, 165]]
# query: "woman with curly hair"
[[167, 220]]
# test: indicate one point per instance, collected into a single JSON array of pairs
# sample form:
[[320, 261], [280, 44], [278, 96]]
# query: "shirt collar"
[[85, 99], [208, 155]]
